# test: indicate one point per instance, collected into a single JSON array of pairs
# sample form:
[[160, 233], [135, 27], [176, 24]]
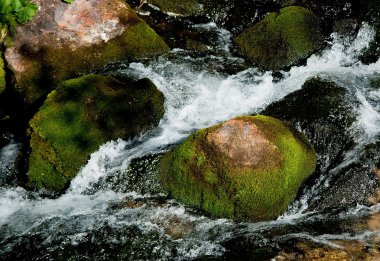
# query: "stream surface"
[[109, 212]]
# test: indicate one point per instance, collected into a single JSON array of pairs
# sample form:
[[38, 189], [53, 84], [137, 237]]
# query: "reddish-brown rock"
[[245, 144], [66, 39]]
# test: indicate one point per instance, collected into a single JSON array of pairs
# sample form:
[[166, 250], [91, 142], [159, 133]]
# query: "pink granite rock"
[[63, 40]]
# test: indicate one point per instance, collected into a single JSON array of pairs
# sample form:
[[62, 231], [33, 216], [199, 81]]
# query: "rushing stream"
[[109, 213]]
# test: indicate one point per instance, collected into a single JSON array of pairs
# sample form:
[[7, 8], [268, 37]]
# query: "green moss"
[[82, 114], [186, 8], [142, 41], [282, 39], [197, 175], [49, 66], [2, 74]]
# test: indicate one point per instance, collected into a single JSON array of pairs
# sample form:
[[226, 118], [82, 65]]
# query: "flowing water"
[[109, 212]]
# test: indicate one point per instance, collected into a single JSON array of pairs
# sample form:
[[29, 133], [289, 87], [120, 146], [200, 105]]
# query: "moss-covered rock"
[[2, 74], [184, 8], [64, 40], [246, 168], [79, 116], [282, 38]]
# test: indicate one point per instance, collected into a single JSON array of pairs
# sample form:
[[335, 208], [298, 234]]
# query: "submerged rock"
[[245, 168], [66, 39], [325, 113], [2, 74], [82, 114], [282, 38]]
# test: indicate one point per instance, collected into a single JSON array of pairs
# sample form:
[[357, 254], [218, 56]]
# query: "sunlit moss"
[[282, 38], [2, 75], [196, 175]]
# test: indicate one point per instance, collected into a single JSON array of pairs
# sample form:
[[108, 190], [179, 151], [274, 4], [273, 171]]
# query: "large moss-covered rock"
[[282, 38], [246, 168], [2, 74], [66, 39], [326, 112], [79, 116]]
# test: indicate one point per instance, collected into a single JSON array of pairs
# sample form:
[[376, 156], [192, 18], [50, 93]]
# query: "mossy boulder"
[[64, 40], [2, 74], [248, 168], [82, 114], [183, 8], [282, 38]]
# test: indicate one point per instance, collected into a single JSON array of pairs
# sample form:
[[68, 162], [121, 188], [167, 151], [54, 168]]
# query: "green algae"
[[79, 116], [2, 75], [282, 38], [200, 177]]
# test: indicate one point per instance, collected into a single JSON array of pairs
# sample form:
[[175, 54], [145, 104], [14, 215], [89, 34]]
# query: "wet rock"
[[282, 38], [371, 14], [245, 168], [343, 250], [178, 228], [325, 113], [66, 39], [79, 116], [346, 27], [182, 8], [237, 15], [331, 9]]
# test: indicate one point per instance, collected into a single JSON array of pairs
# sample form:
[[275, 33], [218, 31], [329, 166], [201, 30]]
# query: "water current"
[[108, 213]]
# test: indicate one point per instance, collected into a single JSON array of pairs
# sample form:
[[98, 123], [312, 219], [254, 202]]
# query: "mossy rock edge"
[[198, 174], [2, 74], [282, 38], [79, 116]]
